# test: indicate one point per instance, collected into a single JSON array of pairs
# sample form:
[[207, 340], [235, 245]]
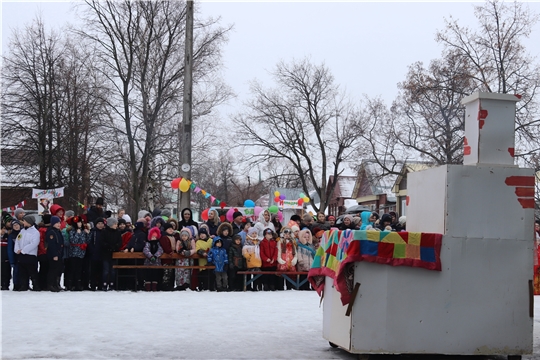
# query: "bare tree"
[[141, 47], [500, 63], [306, 121]]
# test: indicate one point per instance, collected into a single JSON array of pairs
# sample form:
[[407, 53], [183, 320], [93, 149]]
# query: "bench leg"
[[245, 285]]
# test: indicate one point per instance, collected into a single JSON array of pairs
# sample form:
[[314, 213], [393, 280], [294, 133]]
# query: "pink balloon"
[[280, 216], [230, 214], [257, 211]]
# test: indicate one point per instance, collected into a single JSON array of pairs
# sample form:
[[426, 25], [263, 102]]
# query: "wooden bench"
[[285, 274], [140, 256]]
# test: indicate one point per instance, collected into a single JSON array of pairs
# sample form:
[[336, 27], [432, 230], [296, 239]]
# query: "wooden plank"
[[161, 267], [273, 272], [140, 255], [353, 297], [531, 299]]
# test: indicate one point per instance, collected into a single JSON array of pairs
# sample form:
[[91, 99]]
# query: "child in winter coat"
[[218, 256], [236, 263], [306, 253], [225, 232], [185, 246], [152, 251], [287, 256], [252, 253], [269, 259], [79, 236], [202, 245]]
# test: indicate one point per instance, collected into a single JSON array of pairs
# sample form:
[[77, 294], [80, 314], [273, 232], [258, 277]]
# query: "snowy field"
[[174, 325]]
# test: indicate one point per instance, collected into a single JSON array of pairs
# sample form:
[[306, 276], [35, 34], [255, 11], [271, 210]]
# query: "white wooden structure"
[[480, 303]]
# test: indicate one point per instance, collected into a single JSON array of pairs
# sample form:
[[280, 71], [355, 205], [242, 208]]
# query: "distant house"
[[374, 190], [342, 196], [400, 185]]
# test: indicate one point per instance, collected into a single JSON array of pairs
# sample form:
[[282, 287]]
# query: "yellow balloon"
[[276, 193], [306, 199], [184, 185]]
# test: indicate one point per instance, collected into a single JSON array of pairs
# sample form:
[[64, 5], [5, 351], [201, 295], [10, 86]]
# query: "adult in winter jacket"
[[12, 256], [366, 217], [26, 246], [263, 222], [42, 258], [79, 237], [95, 212], [112, 240], [187, 219], [212, 222], [347, 223], [219, 258], [55, 253]]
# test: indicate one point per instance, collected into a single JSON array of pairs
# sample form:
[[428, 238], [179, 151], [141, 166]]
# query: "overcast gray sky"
[[368, 46]]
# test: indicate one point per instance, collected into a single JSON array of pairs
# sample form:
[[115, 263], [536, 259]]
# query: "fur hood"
[[222, 226]]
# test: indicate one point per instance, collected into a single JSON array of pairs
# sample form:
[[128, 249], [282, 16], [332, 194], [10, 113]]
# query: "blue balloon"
[[249, 203]]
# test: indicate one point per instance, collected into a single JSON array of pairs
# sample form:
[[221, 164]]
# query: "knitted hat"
[[156, 212], [295, 228], [99, 220], [70, 213], [55, 220], [140, 224], [154, 232], [127, 218], [331, 217], [15, 221], [236, 214], [185, 231], [99, 201], [320, 234], [142, 214], [18, 211], [29, 219], [46, 219], [252, 232], [402, 220], [203, 230], [167, 225], [166, 213], [121, 221], [111, 221]]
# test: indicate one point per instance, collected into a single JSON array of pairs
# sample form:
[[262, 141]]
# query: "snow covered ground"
[[173, 325]]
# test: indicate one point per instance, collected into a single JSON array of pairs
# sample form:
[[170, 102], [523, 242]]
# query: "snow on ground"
[[173, 325]]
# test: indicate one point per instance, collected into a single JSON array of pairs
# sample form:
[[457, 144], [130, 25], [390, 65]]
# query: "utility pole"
[[185, 155]]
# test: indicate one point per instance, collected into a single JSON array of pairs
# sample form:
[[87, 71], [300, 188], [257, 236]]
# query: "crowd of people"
[[81, 248]]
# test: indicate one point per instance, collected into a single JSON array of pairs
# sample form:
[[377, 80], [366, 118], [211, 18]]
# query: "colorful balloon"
[[276, 193], [277, 199], [204, 215], [282, 197], [222, 218], [257, 211], [222, 204], [175, 183], [300, 202], [302, 195], [184, 185], [306, 199], [273, 209], [249, 203]]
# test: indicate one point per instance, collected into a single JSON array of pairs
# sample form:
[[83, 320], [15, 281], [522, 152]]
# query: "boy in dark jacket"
[[219, 258], [112, 241], [236, 263], [55, 253]]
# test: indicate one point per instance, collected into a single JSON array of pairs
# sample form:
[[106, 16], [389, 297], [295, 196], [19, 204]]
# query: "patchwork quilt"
[[339, 251]]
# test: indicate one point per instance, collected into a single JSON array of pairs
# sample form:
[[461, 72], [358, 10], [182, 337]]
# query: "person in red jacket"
[[42, 251], [57, 210], [269, 252]]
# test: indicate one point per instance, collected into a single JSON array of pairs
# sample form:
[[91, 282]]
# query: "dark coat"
[[236, 259], [94, 245], [137, 241], [183, 223], [55, 243], [93, 213], [112, 241]]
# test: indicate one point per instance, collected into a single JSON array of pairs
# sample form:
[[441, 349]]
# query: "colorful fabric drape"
[[340, 249]]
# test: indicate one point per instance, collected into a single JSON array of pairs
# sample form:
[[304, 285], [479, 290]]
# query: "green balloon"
[[273, 209]]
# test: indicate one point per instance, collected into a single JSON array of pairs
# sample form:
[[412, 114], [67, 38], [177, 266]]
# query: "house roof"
[[346, 185], [379, 182]]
